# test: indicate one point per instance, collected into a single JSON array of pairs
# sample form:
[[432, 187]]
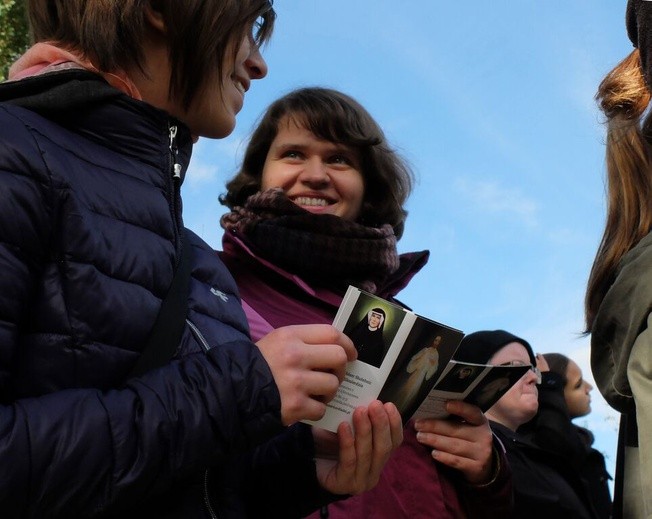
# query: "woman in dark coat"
[[97, 124], [563, 396], [544, 487]]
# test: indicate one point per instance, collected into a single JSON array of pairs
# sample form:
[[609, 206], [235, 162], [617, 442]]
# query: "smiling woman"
[[320, 194], [325, 132], [316, 206]]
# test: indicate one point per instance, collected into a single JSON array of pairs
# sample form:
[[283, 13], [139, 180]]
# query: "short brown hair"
[[335, 117], [110, 34]]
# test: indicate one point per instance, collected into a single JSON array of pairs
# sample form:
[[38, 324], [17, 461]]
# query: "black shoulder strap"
[[165, 336]]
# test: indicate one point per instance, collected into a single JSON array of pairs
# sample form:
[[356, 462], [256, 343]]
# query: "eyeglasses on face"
[[536, 370]]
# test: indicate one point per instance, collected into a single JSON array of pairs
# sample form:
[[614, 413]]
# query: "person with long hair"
[[97, 124], [317, 205], [619, 292], [564, 395]]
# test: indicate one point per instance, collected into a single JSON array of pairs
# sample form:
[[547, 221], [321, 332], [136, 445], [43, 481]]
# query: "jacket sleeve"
[[77, 451], [284, 477], [493, 500], [73, 452], [639, 373]]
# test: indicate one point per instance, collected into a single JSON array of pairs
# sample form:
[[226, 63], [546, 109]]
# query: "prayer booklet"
[[407, 359]]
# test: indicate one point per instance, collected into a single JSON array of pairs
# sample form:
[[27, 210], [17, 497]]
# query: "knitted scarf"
[[321, 247]]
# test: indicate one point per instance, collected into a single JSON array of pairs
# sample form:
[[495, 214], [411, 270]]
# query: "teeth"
[[240, 87], [304, 200]]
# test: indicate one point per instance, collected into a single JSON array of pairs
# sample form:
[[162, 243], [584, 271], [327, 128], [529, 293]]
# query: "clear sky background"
[[492, 104]]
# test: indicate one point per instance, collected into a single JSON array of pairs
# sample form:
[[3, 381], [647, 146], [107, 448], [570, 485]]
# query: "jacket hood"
[[54, 94]]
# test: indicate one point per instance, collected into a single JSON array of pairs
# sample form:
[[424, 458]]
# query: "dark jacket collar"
[[507, 435], [84, 103]]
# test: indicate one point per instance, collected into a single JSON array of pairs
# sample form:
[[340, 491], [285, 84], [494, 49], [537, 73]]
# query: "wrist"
[[494, 472]]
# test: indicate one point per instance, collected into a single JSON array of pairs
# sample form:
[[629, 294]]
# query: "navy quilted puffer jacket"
[[90, 218]]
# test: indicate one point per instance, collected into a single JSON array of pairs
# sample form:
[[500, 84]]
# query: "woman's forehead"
[[509, 352], [325, 127]]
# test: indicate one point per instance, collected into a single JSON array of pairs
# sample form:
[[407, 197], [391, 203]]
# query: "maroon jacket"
[[412, 485]]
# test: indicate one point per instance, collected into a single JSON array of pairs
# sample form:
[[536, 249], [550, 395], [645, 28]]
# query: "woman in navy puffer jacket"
[[96, 130]]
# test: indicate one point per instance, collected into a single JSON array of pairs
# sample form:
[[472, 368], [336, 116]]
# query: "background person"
[[96, 128], [543, 485], [318, 205], [563, 396]]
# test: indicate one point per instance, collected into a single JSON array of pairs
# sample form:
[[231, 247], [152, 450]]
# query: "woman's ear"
[[154, 17]]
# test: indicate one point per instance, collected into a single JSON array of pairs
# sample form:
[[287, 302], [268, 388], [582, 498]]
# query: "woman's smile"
[[320, 176]]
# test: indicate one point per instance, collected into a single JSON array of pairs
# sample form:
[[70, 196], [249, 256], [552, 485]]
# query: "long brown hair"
[[335, 117], [110, 34], [623, 97]]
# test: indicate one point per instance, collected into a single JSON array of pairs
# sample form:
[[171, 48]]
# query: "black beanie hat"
[[639, 29], [479, 347]]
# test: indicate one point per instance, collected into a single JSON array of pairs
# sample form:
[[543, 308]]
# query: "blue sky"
[[492, 104]]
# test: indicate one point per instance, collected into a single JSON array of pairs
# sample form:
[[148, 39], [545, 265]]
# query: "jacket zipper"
[[175, 172], [174, 152], [207, 499], [198, 335], [175, 169]]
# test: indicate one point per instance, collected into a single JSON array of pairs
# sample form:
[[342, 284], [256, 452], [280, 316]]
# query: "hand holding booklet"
[[407, 359]]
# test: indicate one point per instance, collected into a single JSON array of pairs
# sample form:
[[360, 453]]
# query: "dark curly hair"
[[338, 118]]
